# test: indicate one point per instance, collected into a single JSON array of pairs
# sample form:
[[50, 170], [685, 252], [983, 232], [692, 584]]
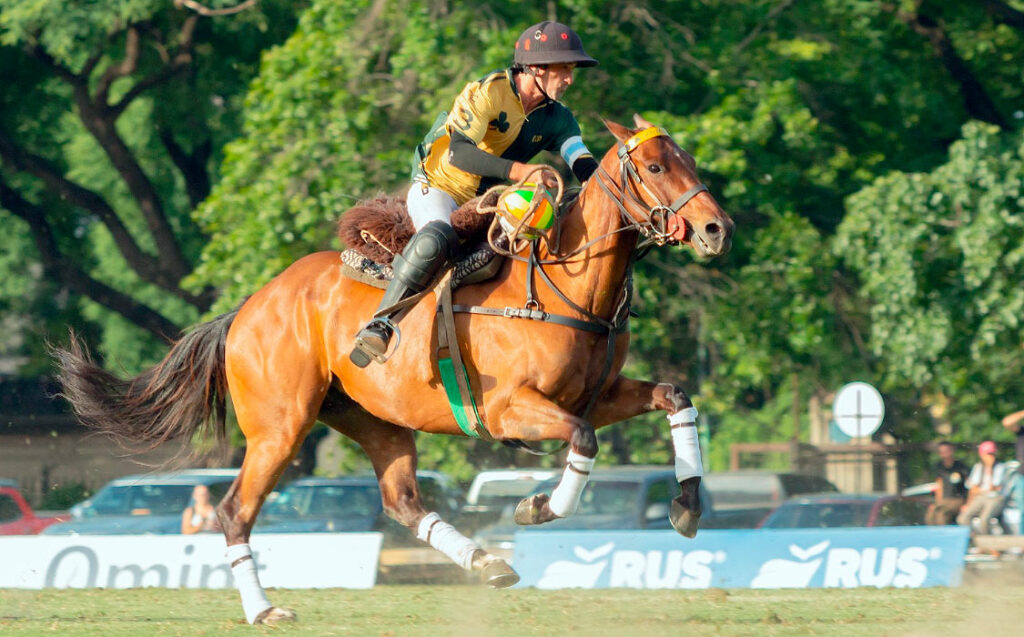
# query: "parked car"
[[617, 498], [494, 490], [17, 517], [833, 510], [764, 490], [142, 504], [353, 504]]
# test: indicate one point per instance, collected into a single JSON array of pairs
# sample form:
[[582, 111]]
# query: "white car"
[[492, 491]]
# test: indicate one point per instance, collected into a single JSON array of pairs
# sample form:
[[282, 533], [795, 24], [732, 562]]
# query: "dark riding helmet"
[[551, 43]]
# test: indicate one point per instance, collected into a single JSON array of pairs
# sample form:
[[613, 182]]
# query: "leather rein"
[[653, 228]]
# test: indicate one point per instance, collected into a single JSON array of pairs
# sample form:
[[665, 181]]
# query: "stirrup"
[[362, 353]]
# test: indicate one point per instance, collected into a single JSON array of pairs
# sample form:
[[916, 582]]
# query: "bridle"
[[654, 223]]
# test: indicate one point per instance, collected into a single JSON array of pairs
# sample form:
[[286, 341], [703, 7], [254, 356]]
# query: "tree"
[[107, 137], [941, 257], [789, 107]]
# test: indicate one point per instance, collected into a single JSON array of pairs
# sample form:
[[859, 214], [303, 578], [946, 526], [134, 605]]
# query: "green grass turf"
[[977, 610]]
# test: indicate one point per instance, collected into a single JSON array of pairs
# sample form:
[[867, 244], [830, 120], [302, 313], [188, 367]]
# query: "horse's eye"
[[654, 168]]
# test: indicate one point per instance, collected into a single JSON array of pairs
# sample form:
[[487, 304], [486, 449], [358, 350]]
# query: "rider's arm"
[[466, 155], [569, 144], [579, 159]]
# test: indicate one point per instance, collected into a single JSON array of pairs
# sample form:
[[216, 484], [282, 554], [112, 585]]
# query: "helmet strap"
[[533, 73]]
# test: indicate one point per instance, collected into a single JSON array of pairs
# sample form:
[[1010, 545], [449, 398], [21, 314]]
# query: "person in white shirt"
[[984, 497]]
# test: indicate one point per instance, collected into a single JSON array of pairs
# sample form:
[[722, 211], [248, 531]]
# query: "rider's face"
[[555, 79]]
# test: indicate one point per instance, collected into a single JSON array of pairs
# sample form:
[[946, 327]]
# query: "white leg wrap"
[[254, 600], [445, 538], [565, 499], [687, 447]]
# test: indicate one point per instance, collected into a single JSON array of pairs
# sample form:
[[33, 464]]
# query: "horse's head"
[[660, 193]]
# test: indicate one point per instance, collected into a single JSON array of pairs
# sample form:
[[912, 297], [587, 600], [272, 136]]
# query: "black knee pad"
[[428, 251]]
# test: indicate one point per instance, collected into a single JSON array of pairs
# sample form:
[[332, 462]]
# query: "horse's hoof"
[[684, 520], [275, 615], [534, 510], [498, 574]]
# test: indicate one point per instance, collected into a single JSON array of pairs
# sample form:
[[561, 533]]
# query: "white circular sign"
[[858, 409]]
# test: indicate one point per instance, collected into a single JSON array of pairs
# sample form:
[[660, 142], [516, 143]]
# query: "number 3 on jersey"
[[463, 118]]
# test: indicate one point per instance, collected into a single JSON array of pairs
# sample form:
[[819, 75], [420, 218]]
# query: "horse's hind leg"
[[392, 450], [273, 437]]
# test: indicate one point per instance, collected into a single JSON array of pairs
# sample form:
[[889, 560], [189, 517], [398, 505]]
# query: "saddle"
[[377, 229]]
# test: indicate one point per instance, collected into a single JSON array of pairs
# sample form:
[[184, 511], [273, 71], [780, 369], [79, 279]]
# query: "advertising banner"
[[306, 560], [903, 557]]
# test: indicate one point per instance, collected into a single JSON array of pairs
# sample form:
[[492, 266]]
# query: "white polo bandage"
[[686, 444], [565, 499], [243, 568], [445, 538]]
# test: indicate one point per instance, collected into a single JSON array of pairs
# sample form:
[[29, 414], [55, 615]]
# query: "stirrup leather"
[[386, 325]]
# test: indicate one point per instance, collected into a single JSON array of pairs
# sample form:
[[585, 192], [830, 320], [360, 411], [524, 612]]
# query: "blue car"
[[145, 504]]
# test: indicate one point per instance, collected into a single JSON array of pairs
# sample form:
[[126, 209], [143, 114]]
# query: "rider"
[[496, 124]]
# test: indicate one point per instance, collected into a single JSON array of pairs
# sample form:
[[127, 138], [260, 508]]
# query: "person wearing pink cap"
[[984, 497]]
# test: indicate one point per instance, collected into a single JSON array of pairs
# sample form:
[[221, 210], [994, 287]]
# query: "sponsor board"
[[902, 557], [307, 560]]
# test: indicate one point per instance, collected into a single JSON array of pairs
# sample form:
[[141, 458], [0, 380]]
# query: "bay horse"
[[283, 359]]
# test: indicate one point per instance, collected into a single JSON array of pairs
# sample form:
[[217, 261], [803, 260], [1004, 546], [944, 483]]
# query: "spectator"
[[984, 496], [950, 488], [201, 516], [1015, 423]]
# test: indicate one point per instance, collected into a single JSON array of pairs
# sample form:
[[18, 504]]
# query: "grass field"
[[979, 610]]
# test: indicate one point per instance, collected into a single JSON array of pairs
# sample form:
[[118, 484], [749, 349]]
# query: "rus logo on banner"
[[633, 569], [848, 567]]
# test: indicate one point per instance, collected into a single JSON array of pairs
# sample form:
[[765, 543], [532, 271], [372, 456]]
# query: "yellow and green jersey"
[[489, 112]]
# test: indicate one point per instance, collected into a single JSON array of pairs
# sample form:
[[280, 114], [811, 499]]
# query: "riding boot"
[[426, 254]]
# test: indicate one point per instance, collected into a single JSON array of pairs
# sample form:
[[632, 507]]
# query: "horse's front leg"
[[532, 416], [627, 398]]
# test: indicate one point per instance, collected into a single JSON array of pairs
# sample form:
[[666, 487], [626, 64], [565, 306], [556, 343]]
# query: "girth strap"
[[453, 371]]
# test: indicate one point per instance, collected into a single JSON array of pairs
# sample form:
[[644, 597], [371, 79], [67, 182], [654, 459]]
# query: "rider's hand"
[[540, 172]]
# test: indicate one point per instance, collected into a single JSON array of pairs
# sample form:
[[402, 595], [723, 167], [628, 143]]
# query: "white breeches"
[[432, 205], [686, 444]]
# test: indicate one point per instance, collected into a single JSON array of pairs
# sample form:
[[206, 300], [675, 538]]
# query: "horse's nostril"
[[712, 229]]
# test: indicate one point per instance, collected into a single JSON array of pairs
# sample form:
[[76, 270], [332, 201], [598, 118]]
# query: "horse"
[[282, 357]]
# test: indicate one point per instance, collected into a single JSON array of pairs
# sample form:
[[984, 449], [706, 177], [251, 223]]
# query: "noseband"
[[654, 226]]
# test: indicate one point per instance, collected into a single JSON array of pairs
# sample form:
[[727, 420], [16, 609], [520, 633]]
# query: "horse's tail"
[[180, 396]]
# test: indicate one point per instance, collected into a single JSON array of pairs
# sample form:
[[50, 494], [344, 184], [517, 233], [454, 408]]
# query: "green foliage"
[[940, 255], [62, 497], [55, 56], [805, 118]]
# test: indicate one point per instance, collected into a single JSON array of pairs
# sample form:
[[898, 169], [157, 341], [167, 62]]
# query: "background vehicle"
[[17, 517], [353, 504], [147, 503], [493, 491], [616, 498], [759, 492], [826, 511]]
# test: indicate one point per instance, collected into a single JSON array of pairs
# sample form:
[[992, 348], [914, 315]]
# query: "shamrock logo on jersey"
[[501, 123]]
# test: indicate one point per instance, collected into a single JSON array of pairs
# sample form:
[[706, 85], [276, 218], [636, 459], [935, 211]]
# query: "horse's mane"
[[386, 219]]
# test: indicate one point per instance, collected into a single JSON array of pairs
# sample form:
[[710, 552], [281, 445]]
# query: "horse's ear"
[[621, 132], [641, 122]]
